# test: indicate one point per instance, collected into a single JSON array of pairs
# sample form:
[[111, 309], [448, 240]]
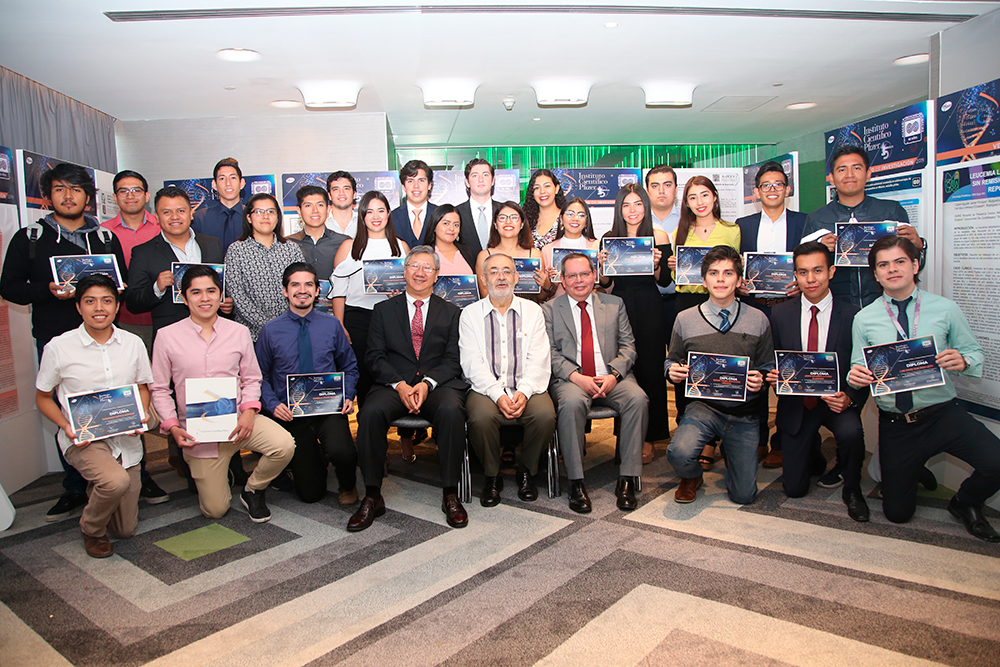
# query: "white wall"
[[970, 53]]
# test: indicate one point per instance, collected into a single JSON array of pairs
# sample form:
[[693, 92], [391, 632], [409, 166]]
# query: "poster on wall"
[[200, 190], [449, 186], [968, 124], [599, 188], [30, 167], [908, 190], [729, 183], [386, 182], [970, 219], [790, 164], [895, 141]]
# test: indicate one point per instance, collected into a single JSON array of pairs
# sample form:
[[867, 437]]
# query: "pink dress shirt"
[[459, 267], [181, 353], [130, 238]]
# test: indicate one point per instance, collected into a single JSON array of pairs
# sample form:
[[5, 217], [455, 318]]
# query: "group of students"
[[538, 362]]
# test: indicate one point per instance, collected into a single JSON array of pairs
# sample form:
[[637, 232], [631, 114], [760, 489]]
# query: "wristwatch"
[[430, 387], [617, 375]]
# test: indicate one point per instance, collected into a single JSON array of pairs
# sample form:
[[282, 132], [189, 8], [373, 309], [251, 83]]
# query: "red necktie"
[[417, 328], [586, 342], [812, 346]]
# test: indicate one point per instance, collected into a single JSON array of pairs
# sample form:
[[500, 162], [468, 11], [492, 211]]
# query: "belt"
[[770, 303], [912, 417]]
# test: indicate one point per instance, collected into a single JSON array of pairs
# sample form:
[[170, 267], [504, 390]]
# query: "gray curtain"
[[39, 119]]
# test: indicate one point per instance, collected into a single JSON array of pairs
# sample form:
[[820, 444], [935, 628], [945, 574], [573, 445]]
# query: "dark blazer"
[[401, 224], [469, 235], [390, 357], [794, 222], [786, 332], [149, 260]]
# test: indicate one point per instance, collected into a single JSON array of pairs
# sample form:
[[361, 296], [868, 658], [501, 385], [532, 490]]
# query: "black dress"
[[643, 305]]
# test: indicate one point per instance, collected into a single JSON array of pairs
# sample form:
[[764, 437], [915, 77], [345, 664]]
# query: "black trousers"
[[444, 408], [904, 449], [318, 439], [799, 454], [356, 322]]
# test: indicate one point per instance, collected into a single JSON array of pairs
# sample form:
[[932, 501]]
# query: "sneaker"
[[283, 482], [152, 493], [65, 506], [831, 480], [257, 508]]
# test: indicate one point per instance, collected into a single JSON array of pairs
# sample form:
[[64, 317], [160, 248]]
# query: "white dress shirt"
[[412, 210], [822, 319], [411, 310], [190, 254], [772, 235], [352, 226], [600, 367], [483, 232]]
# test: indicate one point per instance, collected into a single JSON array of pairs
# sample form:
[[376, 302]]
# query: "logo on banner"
[[913, 128], [505, 182], [886, 150], [625, 179], [384, 184], [951, 181], [261, 187], [4, 167]]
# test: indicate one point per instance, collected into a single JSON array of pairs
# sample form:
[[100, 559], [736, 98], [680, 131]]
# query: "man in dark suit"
[[593, 350], [477, 212], [150, 280], [413, 354], [409, 221], [815, 321]]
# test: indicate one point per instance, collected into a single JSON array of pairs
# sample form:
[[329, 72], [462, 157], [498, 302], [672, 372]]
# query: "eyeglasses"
[[506, 273], [577, 276], [130, 191], [504, 217], [767, 187], [573, 214], [265, 212], [421, 267]]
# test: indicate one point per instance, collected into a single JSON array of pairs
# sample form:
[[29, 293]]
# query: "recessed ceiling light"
[[449, 93], [562, 93], [229, 87], [777, 85], [536, 119], [610, 24], [330, 94], [238, 55], [800, 105], [668, 94], [915, 59], [286, 104]]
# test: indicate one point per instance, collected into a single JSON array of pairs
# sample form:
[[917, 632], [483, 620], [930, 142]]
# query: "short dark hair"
[[199, 271], [309, 190], [812, 248], [227, 162], [128, 173], [70, 173], [337, 175], [475, 162], [574, 255], [295, 267], [99, 280], [767, 168], [661, 169], [170, 192], [893, 241], [850, 150], [722, 253], [411, 168]]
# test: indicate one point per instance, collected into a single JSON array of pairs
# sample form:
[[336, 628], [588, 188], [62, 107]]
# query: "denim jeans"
[[701, 424]]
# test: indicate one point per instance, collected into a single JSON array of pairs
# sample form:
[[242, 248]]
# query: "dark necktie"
[[724, 314], [305, 347], [586, 342], [417, 328], [904, 399], [812, 345]]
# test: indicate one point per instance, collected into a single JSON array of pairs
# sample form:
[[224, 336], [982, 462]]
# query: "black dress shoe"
[[579, 501], [490, 497], [526, 489], [625, 493], [365, 516], [453, 511], [972, 517], [857, 508]]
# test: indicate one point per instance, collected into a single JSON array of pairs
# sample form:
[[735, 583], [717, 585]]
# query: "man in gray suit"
[[592, 355]]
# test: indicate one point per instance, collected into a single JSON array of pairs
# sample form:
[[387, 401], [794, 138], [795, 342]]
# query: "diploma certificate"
[[211, 409], [768, 273], [384, 276], [101, 414], [855, 239], [807, 373], [526, 267], [315, 394], [718, 377], [459, 290], [904, 365], [67, 270], [689, 258], [628, 256]]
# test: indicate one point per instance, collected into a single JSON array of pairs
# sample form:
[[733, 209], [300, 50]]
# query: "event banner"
[[895, 141], [200, 190], [807, 373], [907, 190], [30, 167], [8, 186], [386, 182], [315, 394], [598, 187], [968, 124], [728, 182], [449, 186], [970, 220], [324, 303], [102, 414], [718, 377]]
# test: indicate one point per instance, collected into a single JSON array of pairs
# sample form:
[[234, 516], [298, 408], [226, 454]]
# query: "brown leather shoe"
[[454, 512], [772, 460], [761, 453], [98, 547], [365, 516], [687, 490], [346, 498]]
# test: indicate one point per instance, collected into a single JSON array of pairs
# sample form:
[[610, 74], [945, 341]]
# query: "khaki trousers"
[[112, 491]]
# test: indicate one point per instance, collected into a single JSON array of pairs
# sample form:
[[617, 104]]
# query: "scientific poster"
[[895, 141], [908, 190], [968, 124]]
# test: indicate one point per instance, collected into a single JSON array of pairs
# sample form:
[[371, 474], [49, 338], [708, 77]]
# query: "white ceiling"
[[164, 69]]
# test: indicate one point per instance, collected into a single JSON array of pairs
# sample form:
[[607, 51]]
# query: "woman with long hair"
[[511, 236], [575, 230], [444, 234], [255, 263], [633, 218], [543, 202]]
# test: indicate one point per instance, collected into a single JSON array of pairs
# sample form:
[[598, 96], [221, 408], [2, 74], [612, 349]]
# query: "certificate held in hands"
[[383, 276], [559, 253], [67, 270], [315, 394], [628, 256], [102, 414], [904, 365], [689, 258], [458, 290], [807, 373], [211, 408], [855, 239], [717, 377], [526, 267], [767, 272]]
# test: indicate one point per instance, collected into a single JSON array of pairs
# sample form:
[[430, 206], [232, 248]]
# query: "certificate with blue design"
[[211, 408], [717, 377], [315, 394], [384, 276], [67, 270], [807, 373], [323, 301], [559, 253], [768, 272], [904, 365], [459, 290], [628, 256], [180, 268], [689, 258], [101, 414], [526, 267], [855, 239]]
